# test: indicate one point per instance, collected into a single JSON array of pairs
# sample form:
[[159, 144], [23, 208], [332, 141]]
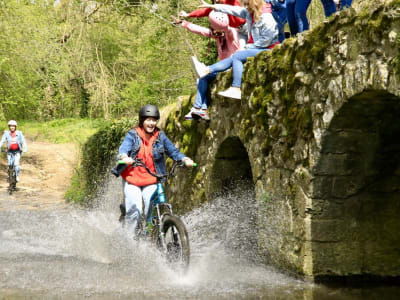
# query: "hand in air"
[[183, 14], [176, 20], [206, 5]]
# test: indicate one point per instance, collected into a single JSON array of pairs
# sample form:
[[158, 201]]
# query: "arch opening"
[[231, 185], [232, 168], [356, 191]]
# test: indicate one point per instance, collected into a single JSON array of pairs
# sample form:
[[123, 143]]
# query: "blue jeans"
[[329, 7], [14, 159], [236, 62], [345, 3], [133, 202], [296, 14], [202, 87]]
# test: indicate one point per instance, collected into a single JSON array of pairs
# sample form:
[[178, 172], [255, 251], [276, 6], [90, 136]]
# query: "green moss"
[[208, 132], [198, 177], [266, 147], [274, 131]]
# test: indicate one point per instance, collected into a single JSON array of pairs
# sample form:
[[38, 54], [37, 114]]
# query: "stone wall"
[[316, 134]]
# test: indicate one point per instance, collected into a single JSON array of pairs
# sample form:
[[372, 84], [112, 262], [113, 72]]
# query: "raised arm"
[[200, 13], [197, 29], [237, 11]]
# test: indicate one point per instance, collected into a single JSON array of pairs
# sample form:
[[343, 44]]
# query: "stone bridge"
[[317, 137]]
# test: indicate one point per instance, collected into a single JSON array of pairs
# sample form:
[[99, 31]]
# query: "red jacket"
[[233, 21]]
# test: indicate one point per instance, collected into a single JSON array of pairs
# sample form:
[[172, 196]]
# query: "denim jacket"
[[161, 146], [264, 31], [20, 140]]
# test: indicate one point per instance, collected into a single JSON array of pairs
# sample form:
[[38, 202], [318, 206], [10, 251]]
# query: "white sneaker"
[[189, 115], [232, 92], [200, 69]]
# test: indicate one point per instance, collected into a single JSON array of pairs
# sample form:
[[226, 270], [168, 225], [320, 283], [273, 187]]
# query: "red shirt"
[[233, 21], [13, 143], [138, 175]]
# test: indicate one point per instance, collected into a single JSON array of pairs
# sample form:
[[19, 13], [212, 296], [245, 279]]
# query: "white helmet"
[[12, 123]]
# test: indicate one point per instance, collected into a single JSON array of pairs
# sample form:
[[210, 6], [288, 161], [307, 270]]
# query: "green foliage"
[[97, 155], [90, 59], [62, 130]]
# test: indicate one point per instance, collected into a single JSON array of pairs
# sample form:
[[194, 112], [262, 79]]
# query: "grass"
[[60, 131]]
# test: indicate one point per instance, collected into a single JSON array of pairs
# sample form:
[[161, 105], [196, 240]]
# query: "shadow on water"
[[75, 254]]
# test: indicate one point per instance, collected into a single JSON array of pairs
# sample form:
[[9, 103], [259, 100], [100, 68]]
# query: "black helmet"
[[149, 110]]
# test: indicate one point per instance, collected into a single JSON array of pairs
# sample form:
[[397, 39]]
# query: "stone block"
[[338, 165], [328, 230], [327, 209]]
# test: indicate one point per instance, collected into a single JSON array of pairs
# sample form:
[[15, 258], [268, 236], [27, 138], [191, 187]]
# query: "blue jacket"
[[20, 140], [264, 31], [162, 145]]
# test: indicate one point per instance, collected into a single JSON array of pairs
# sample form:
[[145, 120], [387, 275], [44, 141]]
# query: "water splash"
[[74, 253]]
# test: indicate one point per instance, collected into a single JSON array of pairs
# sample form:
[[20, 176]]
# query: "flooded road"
[[76, 254]]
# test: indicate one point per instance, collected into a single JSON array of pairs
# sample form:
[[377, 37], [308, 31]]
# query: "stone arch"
[[355, 227], [232, 168]]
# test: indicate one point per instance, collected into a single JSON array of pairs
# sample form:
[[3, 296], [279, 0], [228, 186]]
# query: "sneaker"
[[200, 69], [189, 115], [232, 92], [201, 114]]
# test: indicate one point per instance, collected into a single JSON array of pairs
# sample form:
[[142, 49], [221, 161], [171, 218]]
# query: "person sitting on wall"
[[262, 36], [234, 21], [228, 43]]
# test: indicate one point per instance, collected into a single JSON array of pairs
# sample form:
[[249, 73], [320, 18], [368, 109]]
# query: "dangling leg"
[[237, 69], [199, 108]]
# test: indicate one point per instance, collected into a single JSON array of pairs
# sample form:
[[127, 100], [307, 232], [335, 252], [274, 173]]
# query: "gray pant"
[[14, 159]]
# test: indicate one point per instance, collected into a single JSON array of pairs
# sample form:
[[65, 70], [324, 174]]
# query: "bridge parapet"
[[318, 129]]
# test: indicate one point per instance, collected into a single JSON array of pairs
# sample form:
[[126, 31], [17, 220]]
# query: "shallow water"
[[75, 254]]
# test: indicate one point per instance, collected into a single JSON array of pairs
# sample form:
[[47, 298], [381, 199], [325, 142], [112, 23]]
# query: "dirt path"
[[46, 170]]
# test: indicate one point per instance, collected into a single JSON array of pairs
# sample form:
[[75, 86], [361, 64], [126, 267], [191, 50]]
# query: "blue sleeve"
[[3, 138], [24, 145], [126, 145], [170, 148]]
